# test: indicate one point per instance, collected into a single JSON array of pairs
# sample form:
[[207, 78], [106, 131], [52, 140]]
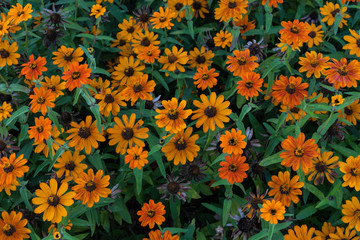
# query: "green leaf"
[[306, 212], [314, 191], [16, 114], [343, 150], [18, 88], [25, 197], [158, 77], [245, 109], [327, 124], [338, 18], [273, 159], [138, 178], [190, 231], [190, 25], [211, 207], [158, 147], [95, 110], [269, 18]]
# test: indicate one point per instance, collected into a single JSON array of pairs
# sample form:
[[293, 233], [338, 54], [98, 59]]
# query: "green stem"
[[271, 231], [327, 120], [26, 35]]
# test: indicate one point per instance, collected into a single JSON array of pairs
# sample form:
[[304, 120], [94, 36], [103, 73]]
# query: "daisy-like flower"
[[223, 39], [126, 133], [272, 3], [8, 54], [337, 100], [138, 87], [342, 74], [129, 29], [351, 112], [351, 170], [244, 226], [55, 17], [149, 54], [6, 145], [174, 59], [52, 200], [205, 78], [42, 99], [70, 165], [97, 10], [162, 19], [285, 189], [313, 63], [54, 84], [211, 113], [315, 35], [144, 40], [353, 43], [194, 170], [233, 169], [289, 91], [242, 62], [13, 226], [64, 57], [199, 58], [294, 33], [344, 234], [84, 135], [110, 101], [4, 25], [126, 68], [151, 213], [245, 25], [57, 142], [76, 75], [230, 9], [91, 187], [233, 142], [176, 6], [300, 233], [296, 113], [41, 131], [34, 68], [173, 116], [298, 152], [174, 188], [157, 235], [136, 157], [99, 84], [351, 211], [252, 206], [182, 147], [18, 13], [272, 211], [142, 17], [249, 85], [12, 168], [256, 49], [5, 111], [330, 10], [325, 232], [323, 166]]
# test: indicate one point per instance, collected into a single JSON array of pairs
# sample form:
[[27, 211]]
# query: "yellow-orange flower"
[[12, 168], [136, 157], [272, 211], [233, 142], [34, 68], [162, 19], [233, 169], [230, 9], [223, 39], [76, 75], [18, 13], [343, 74], [242, 62], [249, 85], [351, 170], [205, 77], [41, 131], [294, 33], [42, 99], [64, 57], [151, 213], [138, 87], [13, 226], [313, 63], [329, 10]]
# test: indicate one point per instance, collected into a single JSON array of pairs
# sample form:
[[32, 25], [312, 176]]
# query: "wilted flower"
[[55, 18], [244, 226], [6, 145], [194, 170], [51, 38], [174, 187], [253, 201], [256, 49]]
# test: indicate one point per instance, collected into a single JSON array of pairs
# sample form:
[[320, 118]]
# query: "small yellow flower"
[[337, 100], [97, 10]]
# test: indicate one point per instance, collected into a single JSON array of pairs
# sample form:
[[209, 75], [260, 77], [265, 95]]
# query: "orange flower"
[[298, 152], [152, 213], [232, 142], [295, 33], [156, 235], [230, 9], [11, 168], [272, 3], [205, 77], [250, 84], [149, 54], [18, 13], [315, 35], [200, 57], [223, 39], [138, 87], [313, 63], [42, 99], [233, 169], [242, 62], [136, 157], [342, 74], [272, 211], [301, 233], [13, 226], [34, 68], [41, 131], [289, 91], [162, 19], [76, 75], [245, 25]]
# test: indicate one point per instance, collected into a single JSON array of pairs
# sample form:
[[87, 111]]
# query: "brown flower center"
[[137, 87], [299, 152], [294, 29], [249, 84], [129, 71], [130, 29], [4, 53], [194, 170], [291, 88], [314, 63], [32, 65], [200, 59], [205, 76], [144, 18], [173, 114], [354, 172], [255, 203], [109, 98], [8, 167], [2, 145], [294, 110], [172, 58], [285, 188], [70, 165], [127, 133], [343, 71], [180, 144], [162, 19], [75, 75], [178, 6], [173, 187], [53, 88], [68, 56], [40, 129], [348, 111], [8, 230], [53, 200], [210, 111], [333, 13], [312, 34], [321, 167], [122, 42], [223, 39], [233, 142], [145, 42], [232, 4], [90, 186], [358, 42], [273, 212], [55, 18], [40, 100], [149, 53], [243, 27], [242, 61], [233, 167], [20, 13], [151, 213], [84, 132], [136, 157], [196, 5]]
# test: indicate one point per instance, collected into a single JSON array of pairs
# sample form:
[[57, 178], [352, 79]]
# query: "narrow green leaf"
[[25, 197], [273, 159], [226, 211], [16, 114], [138, 178], [306, 212]]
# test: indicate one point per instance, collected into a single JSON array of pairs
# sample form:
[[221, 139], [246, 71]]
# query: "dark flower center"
[[20, 13], [354, 172], [40, 129], [200, 59], [249, 84], [2, 145], [242, 61], [285, 188], [51, 34], [358, 42], [136, 157], [109, 98], [291, 88], [144, 18], [173, 114], [173, 187], [273, 211], [4, 53], [122, 42], [75, 75], [90, 186], [84, 132], [53, 200], [129, 71], [172, 58], [348, 111], [314, 63], [66, 117], [145, 42], [233, 167], [321, 167], [210, 43], [254, 49], [243, 27], [137, 88], [210, 111], [343, 71], [178, 6], [333, 13], [196, 5], [55, 18], [149, 104], [68, 56], [299, 152], [40, 100], [130, 29], [180, 144], [151, 213], [295, 110], [232, 4], [8, 230], [162, 19], [8, 167], [53, 88], [70, 165], [255, 201], [194, 170], [233, 142], [127, 133], [205, 76], [32, 65], [294, 29], [312, 34], [149, 53], [245, 224]]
